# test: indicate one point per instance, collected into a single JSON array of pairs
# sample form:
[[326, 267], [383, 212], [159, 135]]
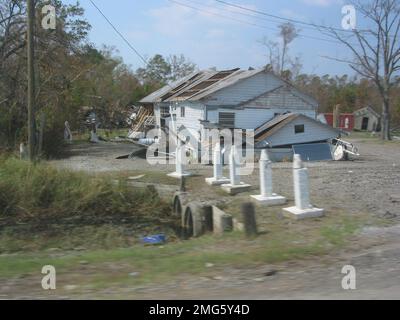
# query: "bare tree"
[[376, 50], [180, 66], [288, 33], [278, 55]]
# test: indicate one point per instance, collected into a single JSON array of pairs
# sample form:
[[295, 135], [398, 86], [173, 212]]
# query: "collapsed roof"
[[272, 126], [199, 85]]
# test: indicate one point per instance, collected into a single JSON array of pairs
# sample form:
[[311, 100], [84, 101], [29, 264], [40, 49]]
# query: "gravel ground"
[[369, 184]]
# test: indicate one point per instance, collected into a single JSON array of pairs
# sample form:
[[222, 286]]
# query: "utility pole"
[[31, 80]]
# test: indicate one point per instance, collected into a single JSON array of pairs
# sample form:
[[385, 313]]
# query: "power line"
[[315, 26], [247, 22], [125, 40], [119, 33], [248, 15], [296, 21]]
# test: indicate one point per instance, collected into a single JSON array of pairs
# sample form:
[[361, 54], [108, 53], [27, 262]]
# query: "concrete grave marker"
[[179, 160], [235, 186], [217, 179], [267, 197], [303, 208]]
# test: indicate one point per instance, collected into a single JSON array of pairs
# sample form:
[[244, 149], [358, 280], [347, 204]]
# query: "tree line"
[[72, 75], [375, 59]]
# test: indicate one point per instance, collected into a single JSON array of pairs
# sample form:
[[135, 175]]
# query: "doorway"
[[364, 125]]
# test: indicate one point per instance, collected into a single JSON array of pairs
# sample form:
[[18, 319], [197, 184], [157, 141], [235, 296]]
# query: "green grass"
[[31, 190], [41, 207], [160, 263], [279, 240]]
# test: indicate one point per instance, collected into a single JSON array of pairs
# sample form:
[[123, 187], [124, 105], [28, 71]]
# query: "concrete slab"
[[222, 222], [235, 189], [294, 212], [274, 200], [179, 175], [217, 182]]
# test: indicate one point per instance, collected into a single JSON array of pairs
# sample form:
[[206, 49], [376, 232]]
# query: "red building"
[[346, 121]]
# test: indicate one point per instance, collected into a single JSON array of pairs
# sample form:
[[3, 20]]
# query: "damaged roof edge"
[[154, 96], [232, 77], [201, 84], [269, 128]]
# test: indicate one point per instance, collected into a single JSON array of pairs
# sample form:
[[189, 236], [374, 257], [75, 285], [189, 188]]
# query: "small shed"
[[367, 119], [346, 121]]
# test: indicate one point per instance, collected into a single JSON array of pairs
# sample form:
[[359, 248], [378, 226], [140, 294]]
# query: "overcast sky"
[[214, 36]]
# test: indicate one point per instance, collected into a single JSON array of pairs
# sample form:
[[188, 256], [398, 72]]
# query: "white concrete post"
[[67, 132], [267, 197], [217, 178], [235, 186], [180, 155], [302, 209], [93, 137], [265, 175], [217, 164], [233, 167], [301, 186], [178, 158]]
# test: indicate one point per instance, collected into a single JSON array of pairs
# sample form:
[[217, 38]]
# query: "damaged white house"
[[238, 99]]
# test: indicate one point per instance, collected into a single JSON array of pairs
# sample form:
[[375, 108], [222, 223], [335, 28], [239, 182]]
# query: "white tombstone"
[[267, 197], [93, 137], [218, 178], [23, 151], [180, 155], [303, 208], [235, 186], [67, 132], [234, 175]]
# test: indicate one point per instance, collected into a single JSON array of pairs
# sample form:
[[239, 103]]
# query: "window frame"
[[230, 125], [302, 130]]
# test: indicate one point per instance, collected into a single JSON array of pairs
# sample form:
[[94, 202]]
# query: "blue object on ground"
[[154, 239], [313, 151]]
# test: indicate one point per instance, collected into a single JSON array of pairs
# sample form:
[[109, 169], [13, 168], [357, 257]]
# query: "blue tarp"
[[313, 151], [155, 239]]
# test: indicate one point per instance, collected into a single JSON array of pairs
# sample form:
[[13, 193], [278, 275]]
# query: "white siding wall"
[[193, 113], [253, 118], [157, 114], [312, 131], [283, 98], [244, 90]]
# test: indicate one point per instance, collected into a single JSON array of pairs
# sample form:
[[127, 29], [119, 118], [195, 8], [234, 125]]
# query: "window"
[[182, 112], [164, 112], [227, 119], [299, 128]]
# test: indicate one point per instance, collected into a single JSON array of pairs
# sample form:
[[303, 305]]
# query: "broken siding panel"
[[312, 132], [252, 118], [244, 90]]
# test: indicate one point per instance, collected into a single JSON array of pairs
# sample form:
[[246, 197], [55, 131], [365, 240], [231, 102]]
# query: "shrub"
[[30, 191]]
